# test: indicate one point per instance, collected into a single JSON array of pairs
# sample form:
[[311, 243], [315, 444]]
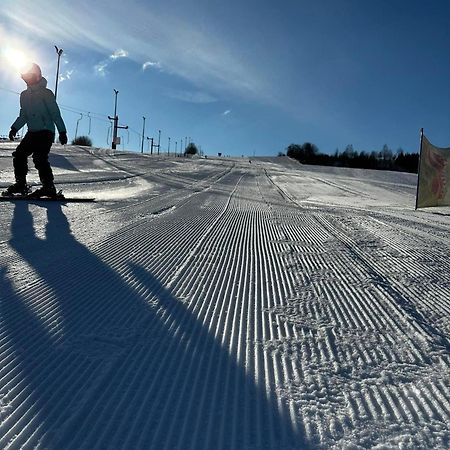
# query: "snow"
[[217, 303]]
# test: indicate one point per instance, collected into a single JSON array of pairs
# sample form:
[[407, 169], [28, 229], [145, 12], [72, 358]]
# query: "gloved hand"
[[63, 138], [12, 134]]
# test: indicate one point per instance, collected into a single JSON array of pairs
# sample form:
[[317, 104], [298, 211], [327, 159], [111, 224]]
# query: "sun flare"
[[17, 59]]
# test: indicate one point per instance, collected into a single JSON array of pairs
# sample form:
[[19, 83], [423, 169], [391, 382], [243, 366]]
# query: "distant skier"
[[40, 112]]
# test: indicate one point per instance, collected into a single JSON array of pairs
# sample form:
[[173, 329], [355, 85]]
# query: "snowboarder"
[[40, 112]]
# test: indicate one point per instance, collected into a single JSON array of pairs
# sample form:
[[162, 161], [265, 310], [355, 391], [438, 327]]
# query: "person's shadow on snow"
[[95, 354]]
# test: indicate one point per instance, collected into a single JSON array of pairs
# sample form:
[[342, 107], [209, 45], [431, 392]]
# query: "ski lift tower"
[[116, 139]]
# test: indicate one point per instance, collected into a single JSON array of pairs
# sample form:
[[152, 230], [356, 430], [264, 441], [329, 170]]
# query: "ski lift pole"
[[143, 134], [116, 120], [116, 140], [76, 129], [159, 140], [59, 52]]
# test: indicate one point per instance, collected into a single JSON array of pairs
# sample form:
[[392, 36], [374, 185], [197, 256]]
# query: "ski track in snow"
[[223, 305]]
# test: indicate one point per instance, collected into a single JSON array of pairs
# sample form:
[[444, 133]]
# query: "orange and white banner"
[[433, 187]]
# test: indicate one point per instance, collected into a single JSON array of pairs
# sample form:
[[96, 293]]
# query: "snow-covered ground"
[[222, 304]]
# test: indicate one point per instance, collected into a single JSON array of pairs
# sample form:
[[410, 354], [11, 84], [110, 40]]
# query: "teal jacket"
[[39, 110]]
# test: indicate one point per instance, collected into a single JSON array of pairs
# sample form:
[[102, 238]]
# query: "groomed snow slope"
[[222, 304]]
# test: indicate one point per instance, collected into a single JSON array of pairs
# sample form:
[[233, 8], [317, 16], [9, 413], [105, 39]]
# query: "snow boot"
[[48, 190], [17, 188]]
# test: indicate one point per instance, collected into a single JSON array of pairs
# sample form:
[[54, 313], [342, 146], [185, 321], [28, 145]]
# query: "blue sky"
[[240, 77]]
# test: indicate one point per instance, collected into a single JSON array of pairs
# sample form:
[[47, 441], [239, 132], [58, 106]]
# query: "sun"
[[17, 59]]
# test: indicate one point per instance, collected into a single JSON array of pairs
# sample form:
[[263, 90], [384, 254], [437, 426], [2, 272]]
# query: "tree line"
[[191, 149], [385, 159]]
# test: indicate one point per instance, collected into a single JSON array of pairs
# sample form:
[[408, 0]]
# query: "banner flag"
[[433, 188]]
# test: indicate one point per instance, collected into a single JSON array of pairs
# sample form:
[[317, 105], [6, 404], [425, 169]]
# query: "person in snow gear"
[[40, 112]]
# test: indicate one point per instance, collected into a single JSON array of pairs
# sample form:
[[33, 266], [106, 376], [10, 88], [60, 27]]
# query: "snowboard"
[[58, 198]]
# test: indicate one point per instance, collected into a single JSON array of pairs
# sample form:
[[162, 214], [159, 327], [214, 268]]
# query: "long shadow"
[[60, 161], [96, 369]]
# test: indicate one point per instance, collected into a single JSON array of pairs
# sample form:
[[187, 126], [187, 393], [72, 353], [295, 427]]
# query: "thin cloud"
[[100, 69], [201, 57], [66, 76], [151, 65], [191, 96], [119, 53]]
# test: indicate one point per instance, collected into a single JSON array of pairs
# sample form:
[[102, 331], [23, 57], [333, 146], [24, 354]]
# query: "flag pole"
[[418, 170]]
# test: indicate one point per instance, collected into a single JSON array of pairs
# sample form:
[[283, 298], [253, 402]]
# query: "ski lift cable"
[[134, 131], [9, 90], [65, 107], [92, 115]]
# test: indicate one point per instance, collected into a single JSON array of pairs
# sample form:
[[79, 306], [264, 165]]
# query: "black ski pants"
[[38, 144]]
